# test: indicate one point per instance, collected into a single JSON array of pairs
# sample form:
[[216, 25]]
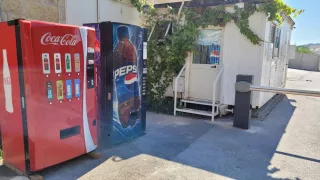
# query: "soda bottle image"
[[58, 64], [77, 87], [77, 62], [7, 83], [59, 90], [57, 61], [49, 91], [69, 89], [68, 63], [46, 63], [126, 84]]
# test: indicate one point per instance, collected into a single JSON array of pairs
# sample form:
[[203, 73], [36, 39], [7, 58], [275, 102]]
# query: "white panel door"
[[205, 65]]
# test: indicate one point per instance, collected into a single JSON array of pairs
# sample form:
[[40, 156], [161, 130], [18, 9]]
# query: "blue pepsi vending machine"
[[122, 79]]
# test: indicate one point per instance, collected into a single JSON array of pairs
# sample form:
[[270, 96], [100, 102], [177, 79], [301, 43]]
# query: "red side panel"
[[10, 116], [35, 122]]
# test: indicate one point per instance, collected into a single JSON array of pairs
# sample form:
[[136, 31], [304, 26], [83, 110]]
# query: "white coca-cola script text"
[[66, 40]]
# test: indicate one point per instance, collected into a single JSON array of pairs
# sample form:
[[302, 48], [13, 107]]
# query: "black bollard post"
[[242, 104]]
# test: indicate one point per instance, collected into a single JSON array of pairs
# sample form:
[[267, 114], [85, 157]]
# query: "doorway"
[[204, 65]]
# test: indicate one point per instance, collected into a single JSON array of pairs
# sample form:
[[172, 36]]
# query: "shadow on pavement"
[[5, 173], [186, 148]]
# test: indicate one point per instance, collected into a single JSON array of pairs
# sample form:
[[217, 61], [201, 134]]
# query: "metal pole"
[[176, 89], [242, 101], [284, 91], [214, 91]]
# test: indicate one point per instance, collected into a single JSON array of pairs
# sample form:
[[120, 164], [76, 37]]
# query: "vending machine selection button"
[[57, 63], [59, 90], [49, 90], [45, 63], [69, 89], [77, 87], [68, 62], [77, 62]]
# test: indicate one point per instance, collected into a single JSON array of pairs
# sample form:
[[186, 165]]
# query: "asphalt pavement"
[[285, 145]]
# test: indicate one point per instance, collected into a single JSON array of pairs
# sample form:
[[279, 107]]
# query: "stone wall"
[[45, 10]]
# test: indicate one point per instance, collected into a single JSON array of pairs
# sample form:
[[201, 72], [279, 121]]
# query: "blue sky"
[[307, 24]]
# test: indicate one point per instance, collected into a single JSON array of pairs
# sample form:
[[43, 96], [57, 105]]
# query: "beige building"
[[75, 12], [46, 10]]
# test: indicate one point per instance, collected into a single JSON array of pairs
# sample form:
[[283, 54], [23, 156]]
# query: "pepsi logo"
[[215, 53], [131, 81]]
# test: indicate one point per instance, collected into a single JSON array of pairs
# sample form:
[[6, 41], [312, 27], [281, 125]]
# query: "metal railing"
[[284, 91], [214, 89], [176, 89], [244, 88]]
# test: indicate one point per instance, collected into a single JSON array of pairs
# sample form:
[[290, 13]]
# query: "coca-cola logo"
[[66, 40]]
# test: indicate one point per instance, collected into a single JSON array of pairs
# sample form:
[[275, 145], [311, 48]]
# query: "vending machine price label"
[[77, 87], [57, 62], [69, 89], [59, 84], [45, 63], [68, 62]]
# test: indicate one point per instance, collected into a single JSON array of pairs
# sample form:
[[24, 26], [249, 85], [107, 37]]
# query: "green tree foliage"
[[274, 9], [139, 4], [303, 50]]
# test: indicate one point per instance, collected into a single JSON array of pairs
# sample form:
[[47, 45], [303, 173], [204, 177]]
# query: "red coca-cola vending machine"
[[47, 93]]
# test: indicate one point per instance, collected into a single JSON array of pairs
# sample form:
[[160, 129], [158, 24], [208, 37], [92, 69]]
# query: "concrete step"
[[199, 101], [195, 111]]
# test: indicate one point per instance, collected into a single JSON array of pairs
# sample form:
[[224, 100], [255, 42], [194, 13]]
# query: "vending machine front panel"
[[121, 88], [57, 94]]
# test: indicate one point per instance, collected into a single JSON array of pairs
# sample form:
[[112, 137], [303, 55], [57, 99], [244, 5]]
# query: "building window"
[[207, 51], [275, 34]]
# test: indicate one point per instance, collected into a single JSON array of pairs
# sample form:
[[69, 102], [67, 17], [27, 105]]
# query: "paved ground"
[[283, 146]]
